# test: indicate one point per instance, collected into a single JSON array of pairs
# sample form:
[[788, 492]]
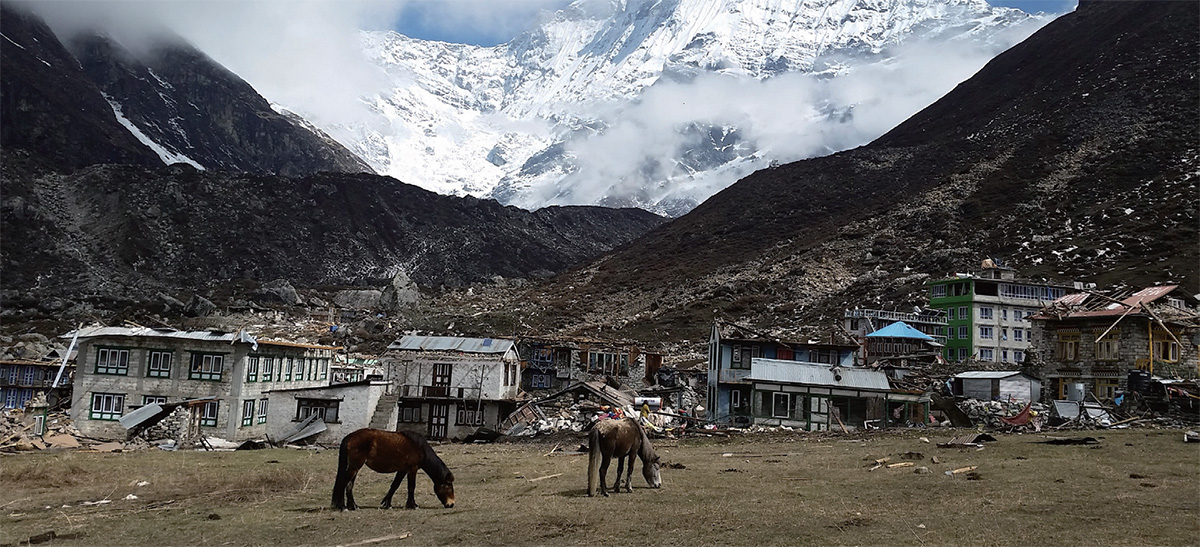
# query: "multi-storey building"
[[987, 314], [731, 350], [1095, 340], [21, 379], [119, 369], [449, 386]]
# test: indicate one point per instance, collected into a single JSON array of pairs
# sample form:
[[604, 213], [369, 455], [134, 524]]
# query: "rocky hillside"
[[1072, 156], [92, 100], [128, 230]]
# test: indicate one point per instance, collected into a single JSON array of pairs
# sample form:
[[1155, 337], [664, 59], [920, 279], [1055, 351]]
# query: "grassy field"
[[1136, 487]]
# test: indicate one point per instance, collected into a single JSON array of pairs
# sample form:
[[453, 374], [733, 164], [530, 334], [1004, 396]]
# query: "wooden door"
[[439, 419]]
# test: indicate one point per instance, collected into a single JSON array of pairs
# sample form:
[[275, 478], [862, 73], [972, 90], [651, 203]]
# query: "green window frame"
[[252, 368], [209, 413], [207, 367], [107, 406], [112, 361], [247, 412], [158, 363], [262, 410]]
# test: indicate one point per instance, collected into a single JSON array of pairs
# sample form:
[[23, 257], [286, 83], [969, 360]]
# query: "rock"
[[921, 471], [279, 291], [358, 299], [171, 302], [199, 306], [400, 294]]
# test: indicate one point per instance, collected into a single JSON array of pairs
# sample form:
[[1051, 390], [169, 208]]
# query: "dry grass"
[[1134, 488]]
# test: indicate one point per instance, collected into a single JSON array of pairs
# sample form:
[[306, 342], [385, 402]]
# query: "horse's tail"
[[343, 476], [593, 460]]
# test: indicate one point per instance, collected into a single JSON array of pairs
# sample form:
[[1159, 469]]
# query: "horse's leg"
[[387, 500], [620, 471], [350, 504], [412, 486], [604, 473], [629, 474]]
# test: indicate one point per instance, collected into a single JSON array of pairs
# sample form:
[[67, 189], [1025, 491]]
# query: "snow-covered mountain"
[[661, 103]]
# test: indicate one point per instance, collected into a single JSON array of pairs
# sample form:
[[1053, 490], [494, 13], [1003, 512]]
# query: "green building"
[[986, 312]]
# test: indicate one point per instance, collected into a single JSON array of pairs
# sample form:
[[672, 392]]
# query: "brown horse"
[[620, 438], [390, 452]]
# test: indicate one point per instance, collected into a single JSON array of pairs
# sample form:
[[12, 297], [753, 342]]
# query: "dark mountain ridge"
[[1072, 156]]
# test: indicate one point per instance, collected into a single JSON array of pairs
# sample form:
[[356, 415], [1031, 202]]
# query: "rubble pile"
[[991, 413], [18, 431]]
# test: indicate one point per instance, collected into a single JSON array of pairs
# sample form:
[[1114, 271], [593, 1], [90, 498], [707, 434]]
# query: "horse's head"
[[445, 491], [650, 472]]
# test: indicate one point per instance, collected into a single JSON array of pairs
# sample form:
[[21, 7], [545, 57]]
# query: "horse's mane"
[[430, 463]]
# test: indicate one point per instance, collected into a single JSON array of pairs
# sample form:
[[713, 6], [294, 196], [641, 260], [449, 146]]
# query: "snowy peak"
[[616, 101]]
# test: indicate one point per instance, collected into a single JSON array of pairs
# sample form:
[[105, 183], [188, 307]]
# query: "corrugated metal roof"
[[815, 374], [451, 343], [216, 336], [988, 374], [900, 329]]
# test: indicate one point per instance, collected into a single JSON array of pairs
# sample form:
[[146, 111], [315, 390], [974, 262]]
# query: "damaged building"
[[120, 369], [448, 387], [732, 349], [1098, 342], [551, 363]]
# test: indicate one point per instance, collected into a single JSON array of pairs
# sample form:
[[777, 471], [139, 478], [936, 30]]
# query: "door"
[[439, 418]]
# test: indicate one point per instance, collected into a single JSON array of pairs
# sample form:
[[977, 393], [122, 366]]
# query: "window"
[[1004, 355], [206, 366], [1017, 315], [1067, 348], [937, 291], [1109, 347], [323, 367], [154, 400], [1004, 314], [252, 369], [986, 333], [208, 414], [950, 314], [262, 410], [1004, 333], [963, 333], [963, 313], [740, 358], [268, 369], [287, 366], [779, 405], [735, 401], [985, 312], [410, 412], [298, 369], [158, 364], [962, 354], [1018, 356], [986, 354], [605, 363], [1106, 388], [539, 381], [325, 408], [112, 361], [1018, 335], [1166, 350], [247, 412], [107, 406], [469, 413]]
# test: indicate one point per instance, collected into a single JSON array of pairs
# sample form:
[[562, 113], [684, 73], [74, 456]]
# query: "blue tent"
[[900, 329]]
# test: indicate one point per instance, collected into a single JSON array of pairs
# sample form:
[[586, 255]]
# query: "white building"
[[330, 412], [450, 386]]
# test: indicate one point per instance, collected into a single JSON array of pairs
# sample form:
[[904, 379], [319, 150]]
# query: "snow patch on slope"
[[167, 156]]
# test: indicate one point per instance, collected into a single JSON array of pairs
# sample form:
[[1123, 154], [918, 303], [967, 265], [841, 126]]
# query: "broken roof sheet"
[[813, 374], [1091, 304], [451, 343], [209, 335], [900, 329]]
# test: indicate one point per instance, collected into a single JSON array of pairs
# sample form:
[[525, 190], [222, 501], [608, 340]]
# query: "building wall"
[[959, 294], [230, 390], [355, 408], [1098, 373]]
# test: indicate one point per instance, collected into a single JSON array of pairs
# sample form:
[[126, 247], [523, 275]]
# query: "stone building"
[[121, 368], [1097, 339]]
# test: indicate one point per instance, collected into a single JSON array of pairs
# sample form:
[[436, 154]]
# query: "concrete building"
[[120, 369], [449, 386], [987, 313], [1094, 341], [341, 409]]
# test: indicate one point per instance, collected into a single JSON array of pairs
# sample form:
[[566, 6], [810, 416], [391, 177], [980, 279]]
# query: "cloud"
[[476, 22], [785, 118]]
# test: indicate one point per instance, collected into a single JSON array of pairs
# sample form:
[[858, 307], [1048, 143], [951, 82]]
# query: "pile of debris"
[[22, 431], [992, 414], [581, 405]]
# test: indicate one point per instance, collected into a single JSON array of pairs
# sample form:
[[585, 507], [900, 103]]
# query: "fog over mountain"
[[655, 104]]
